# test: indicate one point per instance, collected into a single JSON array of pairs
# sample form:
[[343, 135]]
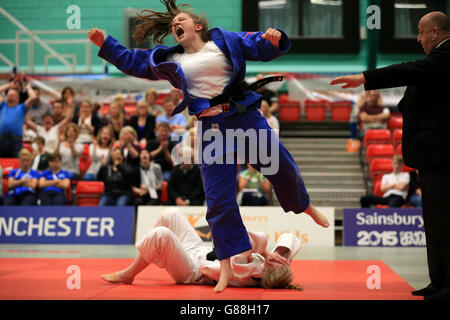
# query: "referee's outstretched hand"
[[273, 35], [96, 36], [350, 81]]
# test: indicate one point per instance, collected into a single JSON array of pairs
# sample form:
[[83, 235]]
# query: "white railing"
[[33, 39]]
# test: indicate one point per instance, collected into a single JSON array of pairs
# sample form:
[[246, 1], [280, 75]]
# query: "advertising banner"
[[271, 220], [67, 225], [391, 227]]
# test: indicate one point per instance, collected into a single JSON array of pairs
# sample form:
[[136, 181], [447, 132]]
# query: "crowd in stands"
[[399, 188], [65, 140]]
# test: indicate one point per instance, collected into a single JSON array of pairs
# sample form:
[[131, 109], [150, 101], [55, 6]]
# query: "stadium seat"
[[376, 151], [164, 193], [395, 123], [397, 137], [85, 160], [284, 97], [88, 193], [28, 145], [315, 111], [379, 167], [8, 164], [5, 186], [290, 110], [377, 136], [340, 110], [399, 150], [377, 189]]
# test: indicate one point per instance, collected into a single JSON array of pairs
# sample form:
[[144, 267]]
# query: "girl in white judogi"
[[173, 244]]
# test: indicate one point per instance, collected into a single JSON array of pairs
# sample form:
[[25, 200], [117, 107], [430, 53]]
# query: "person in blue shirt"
[[54, 183], [209, 67], [22, 182], [12, 119], [178, 122]]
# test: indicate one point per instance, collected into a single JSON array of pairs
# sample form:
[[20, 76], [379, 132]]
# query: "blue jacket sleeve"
[[133, 62], [256, 48]]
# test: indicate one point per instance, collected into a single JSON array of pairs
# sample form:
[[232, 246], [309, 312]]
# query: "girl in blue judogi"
[[209, 67]]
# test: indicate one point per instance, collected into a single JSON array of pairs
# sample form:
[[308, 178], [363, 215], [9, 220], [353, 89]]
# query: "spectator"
[[69, 102], [271, 119], [129, 145], [88, 122], [58, 112], [117, 177], [40, 108], [177, 122], [415, 190], [22, 182], [372, 113], [49, 130], [143, 123], [394, 187], [41, 157], [54, 183], [148, 182], [18, 85], [99, 152], [12, 119], [185, 186], [269, 96], [150, 97], [254, 188], [70, 150], [116, 118], [161, 148]]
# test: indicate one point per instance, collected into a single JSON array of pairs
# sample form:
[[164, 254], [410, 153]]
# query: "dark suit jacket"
[[425, 106], [149, 132]]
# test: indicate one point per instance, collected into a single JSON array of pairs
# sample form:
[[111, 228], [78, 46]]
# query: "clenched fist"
[[273, 35], [96, 36]]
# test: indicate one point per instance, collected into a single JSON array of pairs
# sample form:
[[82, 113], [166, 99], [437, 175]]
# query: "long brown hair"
[[156, 25], [279, 278]]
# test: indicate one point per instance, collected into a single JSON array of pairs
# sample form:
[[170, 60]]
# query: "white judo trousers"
[[174, 244]]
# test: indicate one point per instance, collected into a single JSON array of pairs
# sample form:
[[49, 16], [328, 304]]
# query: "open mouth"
[[179, 31]]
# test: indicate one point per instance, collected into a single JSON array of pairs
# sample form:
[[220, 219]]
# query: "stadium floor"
[[339, 273]]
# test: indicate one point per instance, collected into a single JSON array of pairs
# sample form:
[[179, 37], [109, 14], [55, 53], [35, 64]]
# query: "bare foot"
[[226, 274], [118, 277], [318, 217]]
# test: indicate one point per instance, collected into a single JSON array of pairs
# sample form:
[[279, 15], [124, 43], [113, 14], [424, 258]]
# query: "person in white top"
[[271, 119], [99, 152], [174, 244], [394, 187], [70, 150], [49, 130]]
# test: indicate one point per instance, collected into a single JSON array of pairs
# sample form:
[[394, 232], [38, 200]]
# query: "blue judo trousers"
[[219, 177]]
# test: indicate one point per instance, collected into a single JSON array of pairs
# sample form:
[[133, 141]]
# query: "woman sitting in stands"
[[151, 95], [116, 118], [144, 123], [70, 150], [54, 183], [118, 178]]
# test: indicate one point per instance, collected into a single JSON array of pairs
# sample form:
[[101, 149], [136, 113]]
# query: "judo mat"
[[54, 279]]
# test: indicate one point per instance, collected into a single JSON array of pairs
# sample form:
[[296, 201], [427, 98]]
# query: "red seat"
[[88, 193], [28, 145], [376, 151], [399, 150], [379, 167], [377, 136], [8, 164], [377, 189], [290, 110], [315, 110], [395, 123], [397, 137], [5, 186], [164, 192], [284, 97], [340, 110]]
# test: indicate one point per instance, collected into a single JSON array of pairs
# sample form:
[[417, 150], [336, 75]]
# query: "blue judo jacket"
[[153, 65]]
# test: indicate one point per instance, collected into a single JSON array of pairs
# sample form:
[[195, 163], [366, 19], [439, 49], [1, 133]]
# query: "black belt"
[[236, 92]]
